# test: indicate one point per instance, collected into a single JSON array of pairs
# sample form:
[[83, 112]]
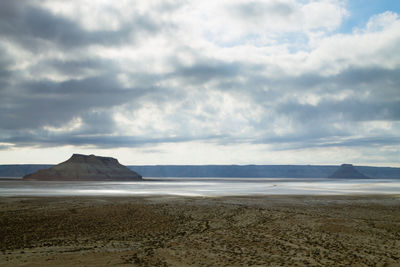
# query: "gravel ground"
[[187, 231]]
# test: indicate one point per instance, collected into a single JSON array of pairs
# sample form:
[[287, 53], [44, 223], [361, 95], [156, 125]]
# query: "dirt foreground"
[[186, 231]]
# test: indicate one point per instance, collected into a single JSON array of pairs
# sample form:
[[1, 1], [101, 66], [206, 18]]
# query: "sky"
[[201, 82]]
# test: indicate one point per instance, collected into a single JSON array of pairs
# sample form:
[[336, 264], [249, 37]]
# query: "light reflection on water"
[[202, 187]]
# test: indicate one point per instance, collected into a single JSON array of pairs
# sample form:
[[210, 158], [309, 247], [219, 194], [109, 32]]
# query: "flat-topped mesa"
[[348, 171], [86, 168], [92, 159]]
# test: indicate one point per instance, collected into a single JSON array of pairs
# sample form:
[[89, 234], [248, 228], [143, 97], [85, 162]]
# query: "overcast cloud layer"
[[278, 81]]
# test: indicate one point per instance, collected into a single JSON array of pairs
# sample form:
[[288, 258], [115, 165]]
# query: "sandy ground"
[[185, 231]]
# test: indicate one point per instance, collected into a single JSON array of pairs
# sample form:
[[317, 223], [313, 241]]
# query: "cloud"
[[205, 70], [382, 21], [34, 27], [257, 9], [276, 73], [239, 22]]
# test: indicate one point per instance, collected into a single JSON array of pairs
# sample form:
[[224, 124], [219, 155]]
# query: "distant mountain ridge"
[[20, 170], [239, 171], [258, 171]]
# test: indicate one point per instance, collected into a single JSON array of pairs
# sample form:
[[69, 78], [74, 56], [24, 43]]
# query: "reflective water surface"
[[202, 187]]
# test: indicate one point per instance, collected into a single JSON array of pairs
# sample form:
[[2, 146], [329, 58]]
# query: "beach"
[[280, 230]]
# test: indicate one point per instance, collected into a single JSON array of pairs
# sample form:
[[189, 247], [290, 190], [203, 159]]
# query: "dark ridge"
[[239, 171], [258, 171], [347, 171]]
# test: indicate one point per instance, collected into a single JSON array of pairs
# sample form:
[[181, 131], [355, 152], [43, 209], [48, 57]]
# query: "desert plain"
[[200, 231]]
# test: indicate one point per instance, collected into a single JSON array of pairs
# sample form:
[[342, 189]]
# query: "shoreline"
[[199, 187], [271, 230], [349, 196]]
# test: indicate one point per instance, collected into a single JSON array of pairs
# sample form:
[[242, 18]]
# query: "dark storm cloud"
[[205, 70], [45, 139], [378, 82], [356, 79], [31, 27], [74, 66], [35, 104], [5, 73], [30, 104], [367, 141], [370, 94], [373, 93], [347, 110], [97, 122], [320, 141]]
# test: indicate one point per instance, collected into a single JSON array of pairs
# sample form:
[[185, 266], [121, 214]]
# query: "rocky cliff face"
[[347, 171], [86, 168]]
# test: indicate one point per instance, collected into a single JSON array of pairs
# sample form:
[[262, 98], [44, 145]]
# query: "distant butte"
[[86, 168], [348, 171]]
